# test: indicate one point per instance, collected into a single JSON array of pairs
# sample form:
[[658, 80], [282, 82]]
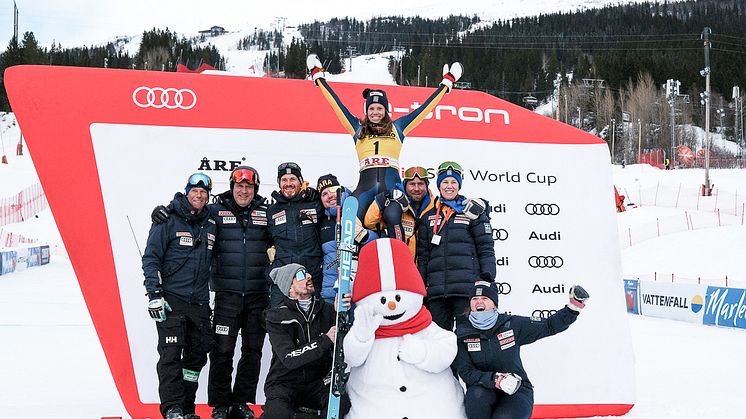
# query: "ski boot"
[[220, 413], [241, 411]]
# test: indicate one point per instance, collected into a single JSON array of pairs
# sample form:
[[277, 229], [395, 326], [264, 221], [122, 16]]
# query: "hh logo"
[[171, 339]]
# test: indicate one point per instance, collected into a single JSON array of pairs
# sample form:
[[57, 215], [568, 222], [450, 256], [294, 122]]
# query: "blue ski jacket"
[[329, 248], [177, 257], [294, 227], [482, 353]]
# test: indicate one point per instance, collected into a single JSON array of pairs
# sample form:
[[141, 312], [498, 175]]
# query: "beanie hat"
[[327, 181], [386, 265], [283, 276], [289, 168], [375, 96], [485, 287], [452, 173], [240, 174]]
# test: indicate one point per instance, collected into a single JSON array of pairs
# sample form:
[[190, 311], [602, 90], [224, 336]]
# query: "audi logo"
[[543, 313], [160, 97], [545, 262], [503, 288], [542, 209], [500, 234]]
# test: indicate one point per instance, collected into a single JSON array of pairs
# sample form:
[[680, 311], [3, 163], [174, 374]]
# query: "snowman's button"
[[403, 388]]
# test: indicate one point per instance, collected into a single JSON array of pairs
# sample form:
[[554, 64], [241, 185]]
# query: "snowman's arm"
[[356, 351], [441, 349]]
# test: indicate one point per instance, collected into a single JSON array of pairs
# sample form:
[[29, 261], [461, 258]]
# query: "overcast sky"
[[78, 22]]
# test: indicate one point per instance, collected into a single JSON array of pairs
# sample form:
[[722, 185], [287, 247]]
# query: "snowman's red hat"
[[386, 265]]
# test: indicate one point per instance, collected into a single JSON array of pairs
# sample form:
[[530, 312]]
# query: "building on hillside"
[[213, 31]]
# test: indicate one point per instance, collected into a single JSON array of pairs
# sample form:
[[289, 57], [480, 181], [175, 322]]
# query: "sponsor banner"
[[34, 256], [551, 223], [631, 295], [44, 256], [7, 262], [725, 307], [672, 301]]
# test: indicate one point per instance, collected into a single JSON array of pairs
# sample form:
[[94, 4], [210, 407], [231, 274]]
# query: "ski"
[[346, 250]]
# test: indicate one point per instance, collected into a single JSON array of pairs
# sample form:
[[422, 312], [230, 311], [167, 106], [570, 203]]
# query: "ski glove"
[[578, 297], [412, 349], [474, 208], [315, 67], [157, 308], [507, 382], [160, 214], [452, 74], [366, 323]]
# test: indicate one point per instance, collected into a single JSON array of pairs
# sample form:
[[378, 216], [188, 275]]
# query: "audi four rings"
[[545, 262], [503, 288], [164, 97], [543, 313], [500, 234], [542, 209]]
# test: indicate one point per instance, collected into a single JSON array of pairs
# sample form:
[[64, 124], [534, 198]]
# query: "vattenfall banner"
[[123, 141], [672, 301]]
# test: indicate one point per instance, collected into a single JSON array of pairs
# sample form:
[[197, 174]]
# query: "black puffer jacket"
[[301, 351], [466, 249], [294, 228], [240, 256], [180, 252]]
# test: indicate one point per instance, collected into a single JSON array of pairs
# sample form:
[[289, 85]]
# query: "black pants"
[[445, 310], [491, 403], [234, 312], [283, 400], [184, 340]]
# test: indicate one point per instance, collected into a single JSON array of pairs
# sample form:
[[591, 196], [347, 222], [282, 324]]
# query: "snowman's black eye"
[[398, 298], [383, 300]]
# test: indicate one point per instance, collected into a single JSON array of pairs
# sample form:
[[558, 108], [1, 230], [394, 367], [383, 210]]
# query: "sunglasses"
[[450, 167], [200, 179], [240, 175], [415, 171], [300, 275]]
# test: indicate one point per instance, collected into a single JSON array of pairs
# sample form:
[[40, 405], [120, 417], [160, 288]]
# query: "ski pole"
[[134, 236]]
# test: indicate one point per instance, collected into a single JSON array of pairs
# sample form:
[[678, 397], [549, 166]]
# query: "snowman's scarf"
[[420, 321]]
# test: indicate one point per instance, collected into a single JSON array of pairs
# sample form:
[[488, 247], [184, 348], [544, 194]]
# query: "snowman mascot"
[[400, 360]]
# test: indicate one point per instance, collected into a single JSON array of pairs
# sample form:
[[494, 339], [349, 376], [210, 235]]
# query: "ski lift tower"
[[706, 188]]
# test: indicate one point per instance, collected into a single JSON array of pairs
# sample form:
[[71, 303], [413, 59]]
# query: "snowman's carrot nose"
[[392, 305]]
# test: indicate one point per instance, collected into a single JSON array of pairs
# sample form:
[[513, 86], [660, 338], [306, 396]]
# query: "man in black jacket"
[[239, 281], [293, 221], [241, 294], [302, 331], [176, 265]]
